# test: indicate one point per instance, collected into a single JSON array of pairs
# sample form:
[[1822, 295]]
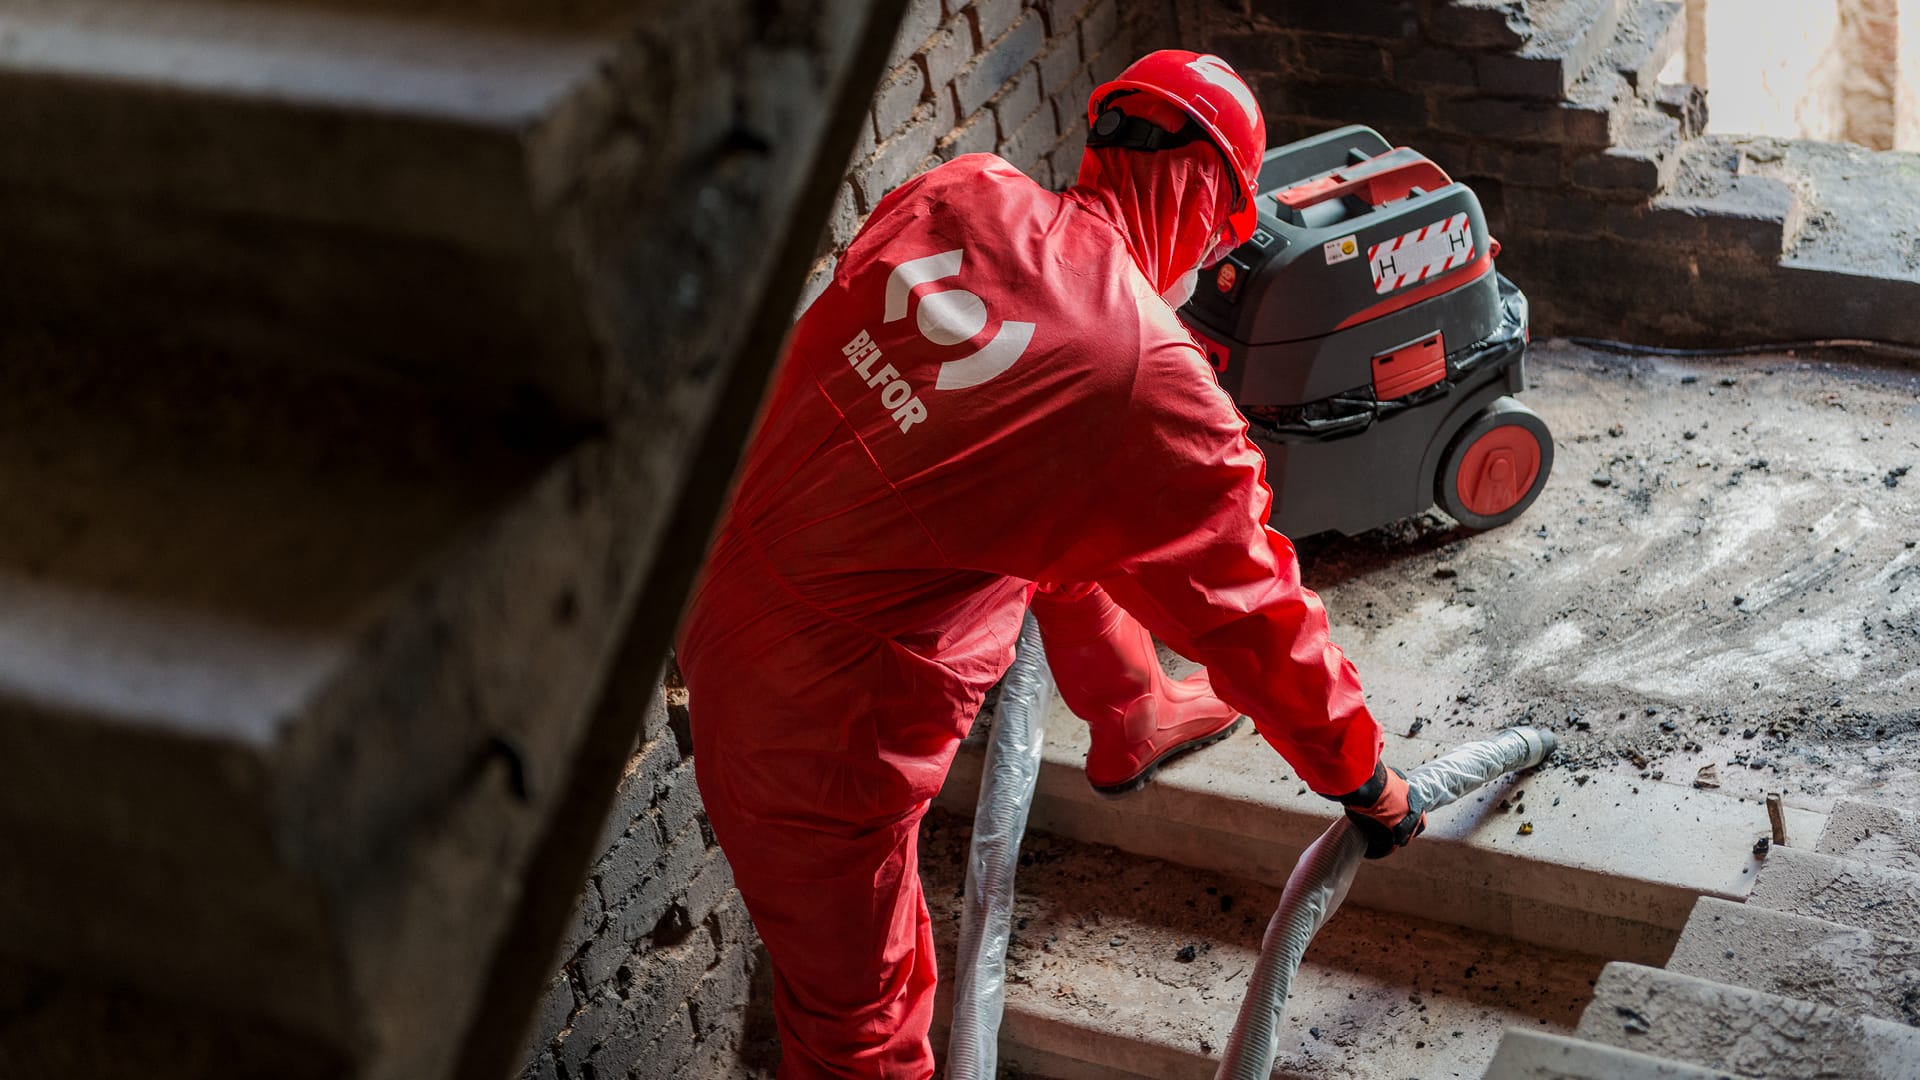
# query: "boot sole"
[[1139, 779]]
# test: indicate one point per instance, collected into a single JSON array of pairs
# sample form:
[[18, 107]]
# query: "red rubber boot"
[[1105, 665]]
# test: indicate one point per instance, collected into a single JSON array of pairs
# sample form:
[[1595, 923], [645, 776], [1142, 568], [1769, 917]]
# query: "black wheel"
[[1496, 466]]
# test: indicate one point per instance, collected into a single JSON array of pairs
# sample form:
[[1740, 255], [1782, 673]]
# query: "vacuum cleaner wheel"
[[1496, 466]]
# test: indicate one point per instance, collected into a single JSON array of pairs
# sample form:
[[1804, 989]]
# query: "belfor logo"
[[954, 317]]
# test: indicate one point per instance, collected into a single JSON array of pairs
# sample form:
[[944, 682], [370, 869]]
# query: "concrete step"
[[1739, 213], [1133, 967], [1651, 33], [322, 183], [1881, 835], [1742, 1031], [1564, 39], [1538, 1055], [1643, 162], [1612, 866], [1845, 891], [1799, 957], [343, 634], [1860, 212]]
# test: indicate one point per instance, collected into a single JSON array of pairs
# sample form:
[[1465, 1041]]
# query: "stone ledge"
[[1841, 890], [1882, 835], [1795, 956], [1594, 875], [1538, 1055], [1742, 1031]]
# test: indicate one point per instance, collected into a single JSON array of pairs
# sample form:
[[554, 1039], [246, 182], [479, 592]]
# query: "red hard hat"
[[1205, 88]]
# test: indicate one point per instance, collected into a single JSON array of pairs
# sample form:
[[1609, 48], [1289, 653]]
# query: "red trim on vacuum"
[[1452, 280]]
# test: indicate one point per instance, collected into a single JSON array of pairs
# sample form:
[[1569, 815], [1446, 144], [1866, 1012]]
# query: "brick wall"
[[1616, 217], [661, 974], [659, 966], [1005, 77]]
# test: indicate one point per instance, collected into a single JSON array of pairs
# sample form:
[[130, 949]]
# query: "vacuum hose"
[[1319, 883], [999, 820]]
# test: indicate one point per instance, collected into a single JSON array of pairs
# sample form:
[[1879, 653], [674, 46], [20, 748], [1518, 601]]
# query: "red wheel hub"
[[1498, 470]]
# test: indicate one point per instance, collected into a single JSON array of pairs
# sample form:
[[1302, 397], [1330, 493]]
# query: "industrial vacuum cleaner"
[[1372, 346]]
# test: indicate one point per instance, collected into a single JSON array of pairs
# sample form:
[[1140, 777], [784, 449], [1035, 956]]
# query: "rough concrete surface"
[[1718, 586], [1743, 1031], [1147, 962], [1858, 211], [1801, 957], [1839, 890], [1534, 1055], [1611, 865], [1881, 835]]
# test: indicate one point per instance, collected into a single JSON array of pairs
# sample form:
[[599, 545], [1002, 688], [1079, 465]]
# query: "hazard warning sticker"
[[1421, 254], [1339, 251]]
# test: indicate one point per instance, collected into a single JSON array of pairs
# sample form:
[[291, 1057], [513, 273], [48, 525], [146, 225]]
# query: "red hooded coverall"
[[989, 394]]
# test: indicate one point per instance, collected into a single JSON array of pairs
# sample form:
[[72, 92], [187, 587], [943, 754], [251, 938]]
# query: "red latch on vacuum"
[[1413, 366]]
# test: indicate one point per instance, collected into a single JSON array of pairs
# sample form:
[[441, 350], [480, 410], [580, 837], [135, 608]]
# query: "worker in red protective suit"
[[992, 397]]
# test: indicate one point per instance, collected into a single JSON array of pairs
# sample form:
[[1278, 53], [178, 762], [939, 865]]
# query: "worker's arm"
[[1181, 541]]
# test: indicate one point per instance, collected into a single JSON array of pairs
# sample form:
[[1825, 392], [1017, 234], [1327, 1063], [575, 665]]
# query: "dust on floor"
[[1720, 584]]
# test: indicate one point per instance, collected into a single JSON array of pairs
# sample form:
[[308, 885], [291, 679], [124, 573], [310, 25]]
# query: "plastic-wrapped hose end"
[[1540, 744]]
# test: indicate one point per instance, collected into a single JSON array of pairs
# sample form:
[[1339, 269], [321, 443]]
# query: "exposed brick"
[[900, 157], [1105, 66], [1070, 103], [635, 916], [1037, 136], [664, 1051], [620, 871], [719, 1002], [1535, 166], [588, 918], [592, 1025], [1255, 53], [844, 219], [818, 278], [946, 53], [1624, 169], [864, 142], [1538, 121], [999, 63], [1479, 24], [1099, 26], [992, 18], [1319, 55], [556, 1008], [1059, 63], [1061, 16], [711, 883], [660, 979], [1434, 67], [1390, 110], [1686, 103], [976, 136], [900, 92], [1019, 100], [1385, 20], [543, 1066], [730, 920], [1523, 76], [921, 20], [653, 719]]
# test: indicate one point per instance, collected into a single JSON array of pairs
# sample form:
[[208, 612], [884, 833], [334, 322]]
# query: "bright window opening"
[[1827, 70]]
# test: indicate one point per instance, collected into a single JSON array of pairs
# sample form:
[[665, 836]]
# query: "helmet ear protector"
[[1119, 129]]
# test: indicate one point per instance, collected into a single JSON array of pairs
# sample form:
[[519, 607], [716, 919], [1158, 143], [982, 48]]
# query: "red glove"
[[1385, 811]]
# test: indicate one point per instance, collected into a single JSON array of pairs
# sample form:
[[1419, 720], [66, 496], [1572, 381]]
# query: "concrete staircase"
[[1480, 925], [1814, 975], [367, 367], [1610, 192]]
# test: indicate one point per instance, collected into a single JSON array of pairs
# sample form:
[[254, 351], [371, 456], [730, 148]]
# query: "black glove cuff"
[[1368, 793]]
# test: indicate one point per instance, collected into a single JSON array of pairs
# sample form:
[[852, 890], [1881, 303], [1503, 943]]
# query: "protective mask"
[[1177, 294]]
